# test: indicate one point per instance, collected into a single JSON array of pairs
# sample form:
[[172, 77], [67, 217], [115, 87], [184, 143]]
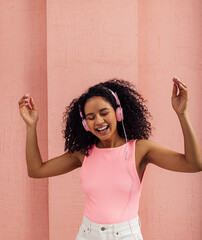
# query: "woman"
[[106, 132]]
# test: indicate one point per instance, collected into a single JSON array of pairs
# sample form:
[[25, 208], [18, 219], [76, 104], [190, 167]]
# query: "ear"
[[119, 114]]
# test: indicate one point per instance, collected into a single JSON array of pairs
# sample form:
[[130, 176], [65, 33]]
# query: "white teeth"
[[100, 129]]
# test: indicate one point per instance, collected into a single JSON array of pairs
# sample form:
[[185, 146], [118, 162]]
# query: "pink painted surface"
[[88, 42], [145, 42], [23, 200], [169, 40], [92, 41]]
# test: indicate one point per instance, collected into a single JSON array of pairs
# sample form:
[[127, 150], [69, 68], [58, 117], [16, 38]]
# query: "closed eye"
[[102, 114], [90, 118]]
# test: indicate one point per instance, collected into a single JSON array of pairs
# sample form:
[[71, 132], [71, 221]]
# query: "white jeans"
[[119, 231]]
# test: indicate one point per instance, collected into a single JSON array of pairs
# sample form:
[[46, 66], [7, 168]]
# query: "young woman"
[[107, 135]]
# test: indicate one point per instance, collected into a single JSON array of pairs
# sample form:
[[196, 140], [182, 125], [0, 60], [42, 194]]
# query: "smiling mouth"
[[103, 129]]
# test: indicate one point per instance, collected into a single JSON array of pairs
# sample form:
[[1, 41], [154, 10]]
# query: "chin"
[[103, 138]]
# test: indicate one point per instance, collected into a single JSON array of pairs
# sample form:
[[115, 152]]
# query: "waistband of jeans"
[[133, 223]]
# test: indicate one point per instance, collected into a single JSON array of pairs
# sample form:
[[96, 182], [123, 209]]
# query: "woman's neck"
[[111, 143]]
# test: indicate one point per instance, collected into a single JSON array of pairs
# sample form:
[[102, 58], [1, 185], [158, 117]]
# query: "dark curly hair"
[[135, 114]]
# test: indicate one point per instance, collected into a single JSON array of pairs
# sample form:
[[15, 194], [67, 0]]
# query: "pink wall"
[[88, 42], [169, 40], [145, 42], [23, 200], [99, 40]]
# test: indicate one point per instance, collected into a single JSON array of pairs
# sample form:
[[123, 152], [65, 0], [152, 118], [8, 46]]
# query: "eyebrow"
[[100, 111]]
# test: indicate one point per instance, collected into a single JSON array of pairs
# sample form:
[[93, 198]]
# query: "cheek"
[[90, 124], [112, 120]]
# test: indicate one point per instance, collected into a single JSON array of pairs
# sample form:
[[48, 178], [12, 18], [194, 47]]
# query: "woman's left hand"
[[179, 102]]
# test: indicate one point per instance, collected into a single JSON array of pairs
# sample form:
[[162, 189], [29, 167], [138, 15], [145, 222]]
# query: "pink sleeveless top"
[[107, 183]]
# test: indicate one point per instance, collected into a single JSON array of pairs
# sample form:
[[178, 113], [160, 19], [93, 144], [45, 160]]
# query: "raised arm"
[[35, 166], [191, 160], [53, 167]]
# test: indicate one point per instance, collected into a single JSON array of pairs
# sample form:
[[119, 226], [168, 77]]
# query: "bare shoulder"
[[141, 150], [80, 156], [142, 147]]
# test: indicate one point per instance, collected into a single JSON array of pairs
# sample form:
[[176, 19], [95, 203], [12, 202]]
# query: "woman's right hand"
[[28, 110]]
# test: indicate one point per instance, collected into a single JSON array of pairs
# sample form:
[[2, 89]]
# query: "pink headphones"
[[119, 112]]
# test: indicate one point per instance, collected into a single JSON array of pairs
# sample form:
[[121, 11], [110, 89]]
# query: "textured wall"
[[98, 40], [145, 42], [169, 40], [23, 200], [88, 42]]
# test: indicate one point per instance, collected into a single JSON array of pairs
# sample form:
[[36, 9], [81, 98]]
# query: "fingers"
[[183, 91], [179, 83], [25, 100], [174, 92], [33, 104]]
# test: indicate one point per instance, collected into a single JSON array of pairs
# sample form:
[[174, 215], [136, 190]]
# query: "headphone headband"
[[116, 97]]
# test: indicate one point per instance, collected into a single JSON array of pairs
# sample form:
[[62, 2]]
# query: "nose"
[[99, 120]]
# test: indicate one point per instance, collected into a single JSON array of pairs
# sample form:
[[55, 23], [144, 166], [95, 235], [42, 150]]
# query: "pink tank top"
[[107, 183]]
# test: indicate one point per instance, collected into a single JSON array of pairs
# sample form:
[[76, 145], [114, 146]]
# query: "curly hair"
[[135, 113]]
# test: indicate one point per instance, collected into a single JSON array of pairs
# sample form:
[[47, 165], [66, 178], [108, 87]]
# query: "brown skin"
[[146, 151], [96, 118]]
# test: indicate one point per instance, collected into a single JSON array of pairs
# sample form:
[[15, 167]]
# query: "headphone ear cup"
[[119, 114], [85, 125]]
